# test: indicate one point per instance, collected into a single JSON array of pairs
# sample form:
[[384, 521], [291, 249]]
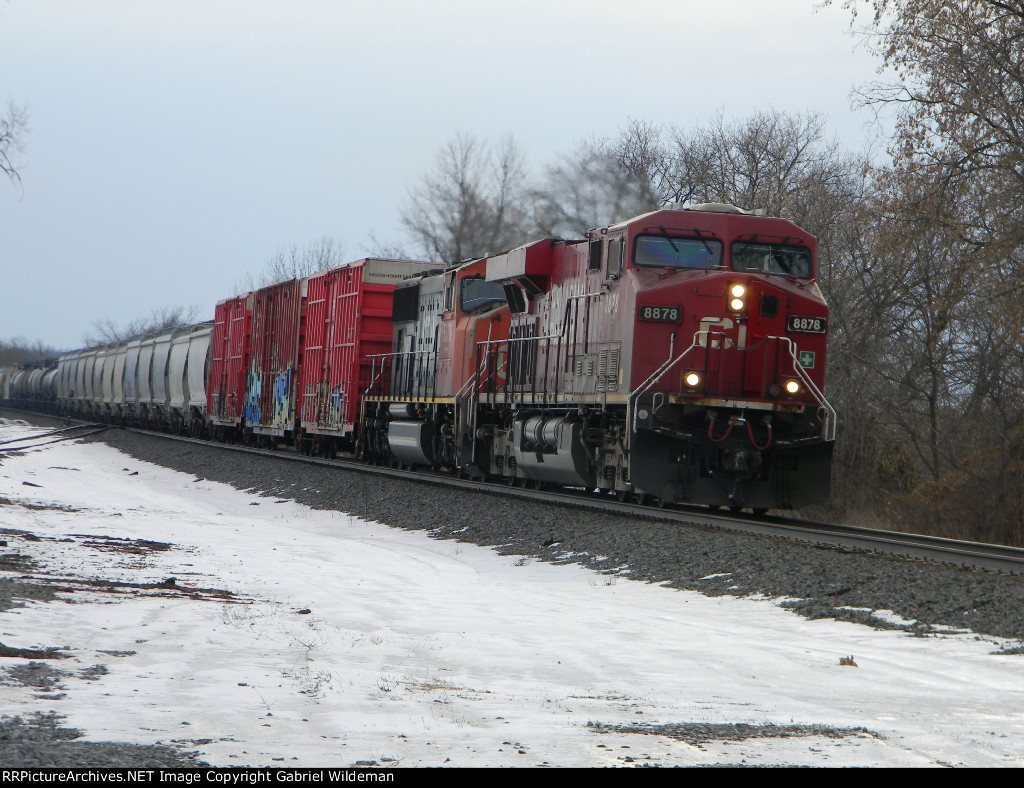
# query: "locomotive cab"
[[727, 405]]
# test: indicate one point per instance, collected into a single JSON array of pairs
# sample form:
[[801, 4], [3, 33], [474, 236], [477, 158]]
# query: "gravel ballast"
[[816, 582], [40, 741]]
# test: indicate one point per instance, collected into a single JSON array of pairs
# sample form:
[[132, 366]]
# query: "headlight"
[[692, 379], [737, 297], [792, 387]]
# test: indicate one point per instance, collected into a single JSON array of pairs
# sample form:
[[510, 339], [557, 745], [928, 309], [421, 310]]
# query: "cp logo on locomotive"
[[716, 327]]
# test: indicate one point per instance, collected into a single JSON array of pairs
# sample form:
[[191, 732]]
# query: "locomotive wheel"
[[621, 495]]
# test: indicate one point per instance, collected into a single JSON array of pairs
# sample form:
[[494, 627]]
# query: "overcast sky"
[[175, 146]]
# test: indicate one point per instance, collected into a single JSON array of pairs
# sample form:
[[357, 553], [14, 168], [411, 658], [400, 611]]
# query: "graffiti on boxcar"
[[337, 403], [282, 397], [253, 387]]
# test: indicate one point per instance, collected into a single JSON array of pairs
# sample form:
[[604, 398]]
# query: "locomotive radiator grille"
[[608, 370]]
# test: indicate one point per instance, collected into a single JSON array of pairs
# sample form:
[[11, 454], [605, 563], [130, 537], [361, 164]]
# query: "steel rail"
[[916, 547], [973, 555], [47, 438], [80, 426]]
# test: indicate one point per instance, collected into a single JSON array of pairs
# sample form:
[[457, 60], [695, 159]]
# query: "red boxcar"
[[229, 361], [275, 358], [348, 317]]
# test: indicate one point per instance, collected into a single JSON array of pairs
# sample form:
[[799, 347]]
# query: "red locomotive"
[[677, 356]]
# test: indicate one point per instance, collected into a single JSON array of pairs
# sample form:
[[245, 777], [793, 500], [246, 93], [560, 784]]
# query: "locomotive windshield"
[[769, 258], [664, 251], [478, 293]]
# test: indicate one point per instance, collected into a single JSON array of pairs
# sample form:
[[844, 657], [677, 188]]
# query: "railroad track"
[[973, 555], [79, 430]]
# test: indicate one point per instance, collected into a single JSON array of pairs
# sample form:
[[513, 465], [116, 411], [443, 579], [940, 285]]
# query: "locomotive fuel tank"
[[551, 449]]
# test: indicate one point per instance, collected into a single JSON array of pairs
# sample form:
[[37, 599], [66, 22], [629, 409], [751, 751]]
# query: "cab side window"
[[449, 293], [595, 255], [616, 246]]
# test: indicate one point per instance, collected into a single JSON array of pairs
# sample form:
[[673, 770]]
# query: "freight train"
[[678, 356]]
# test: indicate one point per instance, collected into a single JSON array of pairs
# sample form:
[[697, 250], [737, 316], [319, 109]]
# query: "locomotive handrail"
[[829, 428], [702, 339], [375, 377], [559, 335], [654, 377], [563, 332]]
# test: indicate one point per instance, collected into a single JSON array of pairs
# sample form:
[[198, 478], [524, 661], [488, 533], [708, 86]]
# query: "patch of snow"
[[430, 656]]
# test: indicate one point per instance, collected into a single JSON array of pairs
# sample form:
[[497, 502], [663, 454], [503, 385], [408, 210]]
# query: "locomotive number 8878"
[[678, 356]]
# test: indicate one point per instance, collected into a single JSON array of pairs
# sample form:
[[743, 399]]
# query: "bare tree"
[[387, 250], [18, 350], [12, 135], [958, 97], [295, 262], [470, 203], [640, 150], [106, 331], [588, 188], [772, 160]]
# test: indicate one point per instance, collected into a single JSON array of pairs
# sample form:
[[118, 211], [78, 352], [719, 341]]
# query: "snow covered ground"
[[348, 641]]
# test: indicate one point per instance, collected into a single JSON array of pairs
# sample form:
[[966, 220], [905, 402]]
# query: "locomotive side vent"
[[608, 370]]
